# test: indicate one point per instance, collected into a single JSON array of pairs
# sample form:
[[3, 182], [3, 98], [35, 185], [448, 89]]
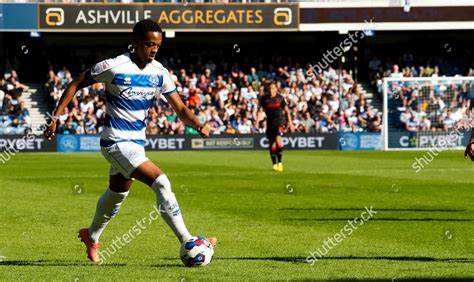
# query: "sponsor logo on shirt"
[[129, 92]]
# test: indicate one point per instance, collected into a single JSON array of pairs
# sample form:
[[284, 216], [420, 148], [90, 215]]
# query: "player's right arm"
[[259, 117], [287, 112], [260, 110], [83, 80]]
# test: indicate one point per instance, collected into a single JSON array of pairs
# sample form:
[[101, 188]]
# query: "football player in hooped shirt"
[[274, 105], [134, 81]]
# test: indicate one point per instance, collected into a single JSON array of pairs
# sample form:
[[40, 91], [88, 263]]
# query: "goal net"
[[427, 112]]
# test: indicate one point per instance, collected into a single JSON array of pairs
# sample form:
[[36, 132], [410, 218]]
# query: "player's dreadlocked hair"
[[142, 27]]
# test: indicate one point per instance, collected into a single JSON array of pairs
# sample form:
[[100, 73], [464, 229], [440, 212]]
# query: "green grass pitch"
[[266, 222]]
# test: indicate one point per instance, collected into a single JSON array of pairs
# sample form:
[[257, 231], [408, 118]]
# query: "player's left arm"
[[259, 118], [186, 115], [168, 90], [286, 110], [288, 118]]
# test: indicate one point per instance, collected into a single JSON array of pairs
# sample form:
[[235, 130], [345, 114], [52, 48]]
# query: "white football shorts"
[[124, 157]]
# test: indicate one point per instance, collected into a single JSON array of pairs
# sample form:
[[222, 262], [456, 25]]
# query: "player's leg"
[[279, 151], [122, 158], [109, 204], [272, 147], [151, 175], [273, 154], [106, 209]]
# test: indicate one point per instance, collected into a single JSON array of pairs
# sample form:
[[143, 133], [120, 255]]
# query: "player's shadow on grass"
[[160, 265], [376, 219], [390, 258], [359, 209], [75, 263], [382, 219], [56, 263]]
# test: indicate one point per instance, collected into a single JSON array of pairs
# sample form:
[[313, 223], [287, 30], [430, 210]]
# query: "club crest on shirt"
[[154, 80]]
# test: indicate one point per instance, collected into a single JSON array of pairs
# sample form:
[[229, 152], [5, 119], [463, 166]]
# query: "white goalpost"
[[427, 112]]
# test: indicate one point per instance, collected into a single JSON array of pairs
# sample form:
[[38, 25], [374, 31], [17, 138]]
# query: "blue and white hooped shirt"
[[130, 93]]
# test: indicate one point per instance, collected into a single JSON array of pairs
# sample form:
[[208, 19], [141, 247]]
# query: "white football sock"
[[107, 207], [169, 208]]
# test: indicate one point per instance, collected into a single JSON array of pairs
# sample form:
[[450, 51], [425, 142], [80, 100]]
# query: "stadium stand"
[[226, 97], [164, 1], [430, 105], [426, 106], [228, 102], [406, 65], [15, 117]]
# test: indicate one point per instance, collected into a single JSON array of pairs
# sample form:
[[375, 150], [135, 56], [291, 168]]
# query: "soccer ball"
[[196, 251]]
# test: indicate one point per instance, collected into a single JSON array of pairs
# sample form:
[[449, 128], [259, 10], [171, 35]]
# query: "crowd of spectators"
[[229, 101], [169, 1], [437, 105], [14, 117], [409, 65], [434, 105]]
